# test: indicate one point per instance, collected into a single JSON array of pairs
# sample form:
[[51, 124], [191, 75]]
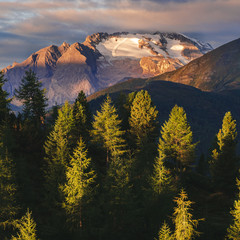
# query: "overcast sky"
[[28, 25]]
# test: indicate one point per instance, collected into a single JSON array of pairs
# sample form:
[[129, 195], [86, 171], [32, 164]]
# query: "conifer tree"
[[176, 139], [165, 233], [82, 117], [143, 118], [224, 160], [79, 184], [185, 225], [57, 146], [233, 232], [26, 228], [161, 179], [118, 198], [8, 206], [107, 132], [4, 102], [33, 98], [57, 150]]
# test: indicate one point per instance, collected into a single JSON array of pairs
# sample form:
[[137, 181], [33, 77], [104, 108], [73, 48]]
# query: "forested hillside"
[[121, 172]]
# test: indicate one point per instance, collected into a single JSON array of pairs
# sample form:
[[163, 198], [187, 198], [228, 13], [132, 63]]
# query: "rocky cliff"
[[103, 60]]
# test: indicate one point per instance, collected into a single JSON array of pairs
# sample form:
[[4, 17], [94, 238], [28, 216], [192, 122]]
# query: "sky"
[[29, 25]]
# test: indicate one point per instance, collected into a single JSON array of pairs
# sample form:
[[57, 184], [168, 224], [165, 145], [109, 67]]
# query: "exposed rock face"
[[217, 70], [103, 60]]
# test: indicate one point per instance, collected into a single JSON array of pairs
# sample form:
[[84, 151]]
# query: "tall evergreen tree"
[[176, 139], [79, 185], [26, 228], [33, 98], [185, 226], [161, 179], [118, 199], [143, 132], [57, 150], [107, 131], [82, 118], [8, 203], [224, 160], [233, 232], [165, 233], [143, 118]]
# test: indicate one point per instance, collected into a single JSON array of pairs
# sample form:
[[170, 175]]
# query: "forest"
[[116, 173]]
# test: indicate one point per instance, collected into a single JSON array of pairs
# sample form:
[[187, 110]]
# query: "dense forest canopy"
[[112, 174]]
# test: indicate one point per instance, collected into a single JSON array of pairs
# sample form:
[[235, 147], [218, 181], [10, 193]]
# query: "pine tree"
[[33, 98], [233, 232], [143, 132], [107, 132], [224, 160], [57, 151], [4, 102], [176, 139], [185, 226], [57, 146], [142, 119], [165, 233], [78, 187], [161, 179], [118, 198], [26, 228], [8, 206], [82, 118]]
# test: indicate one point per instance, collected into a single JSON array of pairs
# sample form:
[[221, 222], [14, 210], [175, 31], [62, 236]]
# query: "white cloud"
[[55, 21]]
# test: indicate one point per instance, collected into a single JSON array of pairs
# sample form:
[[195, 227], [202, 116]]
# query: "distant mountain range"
[[104, 60]]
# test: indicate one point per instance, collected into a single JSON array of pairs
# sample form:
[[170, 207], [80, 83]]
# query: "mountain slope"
[[215, 71], [205, 110], [103, 60]]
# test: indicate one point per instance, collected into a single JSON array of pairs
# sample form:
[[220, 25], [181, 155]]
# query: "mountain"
[[217, 70], [206, 87], [103, 60]]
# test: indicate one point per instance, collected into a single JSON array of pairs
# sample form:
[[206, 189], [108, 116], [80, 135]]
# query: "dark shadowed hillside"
[[205, 110]]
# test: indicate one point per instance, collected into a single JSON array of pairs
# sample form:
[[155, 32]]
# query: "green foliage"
[[57, 144], [4, 102], [118, 198], [165, 233], [224, 161], [233, 232], [143, 117], [185, 226], [78, 187], [106, 130], [33, 98], [82, 118], [161, 179], [26, 228], [8, 206], [57, 149], [176, 139]]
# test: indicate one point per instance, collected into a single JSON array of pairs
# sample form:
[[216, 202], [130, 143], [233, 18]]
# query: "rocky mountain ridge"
[[102, 60], [218, 70]]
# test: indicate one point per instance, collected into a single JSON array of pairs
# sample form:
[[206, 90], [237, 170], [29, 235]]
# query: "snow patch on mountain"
[[122, 47], [103, 60]]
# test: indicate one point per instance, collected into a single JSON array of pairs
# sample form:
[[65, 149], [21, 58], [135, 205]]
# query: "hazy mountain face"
[[103, 60]]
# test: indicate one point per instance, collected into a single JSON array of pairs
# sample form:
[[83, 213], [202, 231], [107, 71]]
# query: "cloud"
[[48, 22]]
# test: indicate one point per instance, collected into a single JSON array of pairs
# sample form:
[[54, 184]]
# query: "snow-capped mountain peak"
[[104, 59]]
